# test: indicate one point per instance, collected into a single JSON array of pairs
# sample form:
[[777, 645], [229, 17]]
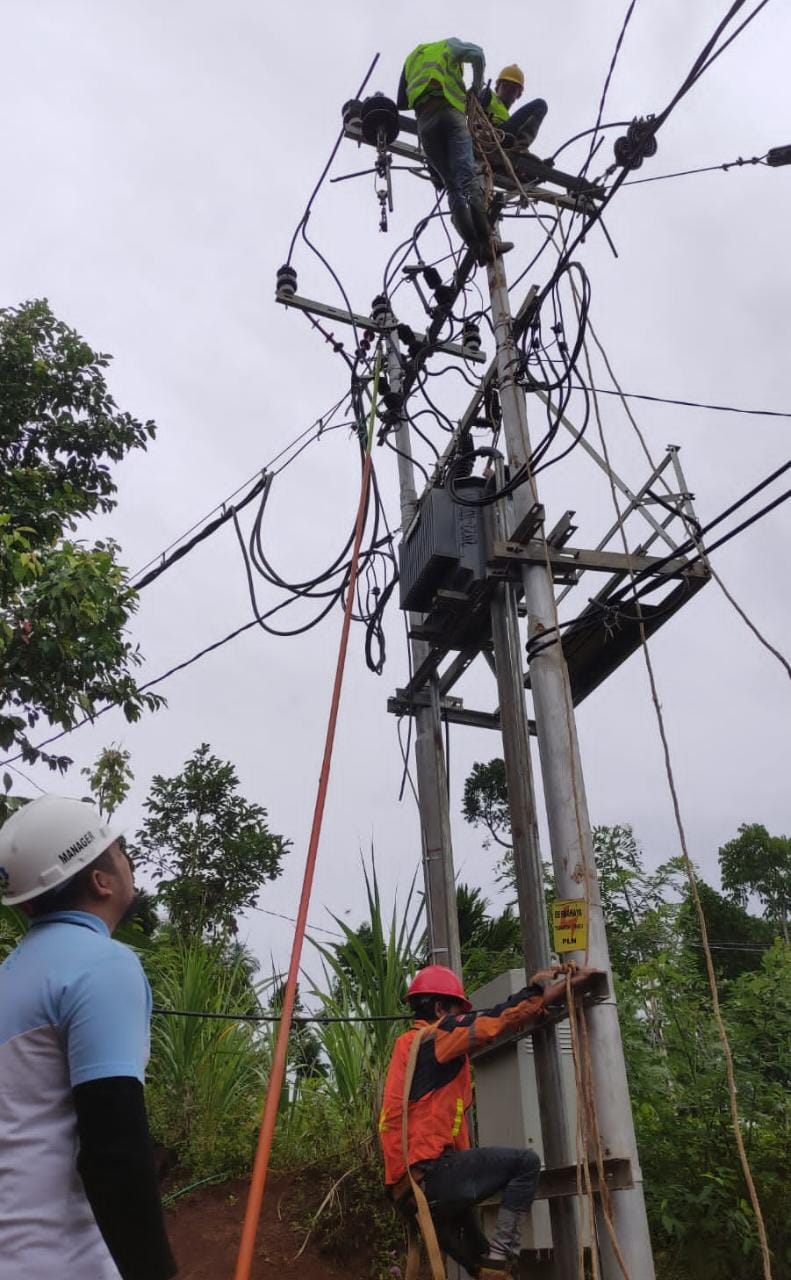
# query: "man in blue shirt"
[[79, 1194]]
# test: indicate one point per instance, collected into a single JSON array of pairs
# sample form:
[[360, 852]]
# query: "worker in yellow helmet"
[[521, 127], [432, 85]]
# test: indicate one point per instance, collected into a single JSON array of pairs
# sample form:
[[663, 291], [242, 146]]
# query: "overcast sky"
[[155, 159]]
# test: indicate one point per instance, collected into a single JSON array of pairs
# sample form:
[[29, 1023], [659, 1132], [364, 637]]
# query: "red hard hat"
[[437, 980]]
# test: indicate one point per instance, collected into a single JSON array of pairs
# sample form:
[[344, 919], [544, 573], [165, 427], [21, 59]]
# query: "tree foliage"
[[757, 863], [64, 603], [701, 1220], [208, 849], [110, 778]]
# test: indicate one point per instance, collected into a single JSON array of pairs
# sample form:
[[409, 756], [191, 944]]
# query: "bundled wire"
[[327, 588]]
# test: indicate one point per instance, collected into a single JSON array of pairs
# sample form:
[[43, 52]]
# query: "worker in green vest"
[[520, 128], [432, 85]]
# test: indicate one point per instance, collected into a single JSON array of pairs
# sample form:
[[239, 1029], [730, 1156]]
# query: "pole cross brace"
[[451, 709], [563, 1181], [339, 316], [509, 557], [585, 191]]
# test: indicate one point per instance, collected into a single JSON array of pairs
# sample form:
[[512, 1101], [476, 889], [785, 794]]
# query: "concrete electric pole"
[[532, 908], [430, 766], [567, 817]]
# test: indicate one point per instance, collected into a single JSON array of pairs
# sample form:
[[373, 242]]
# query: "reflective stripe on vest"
[[497, 110], [435, 62], [437, 1118]]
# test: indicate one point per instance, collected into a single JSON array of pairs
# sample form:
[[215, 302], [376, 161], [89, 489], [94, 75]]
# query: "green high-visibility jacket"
[[439, 63], [496, 109]]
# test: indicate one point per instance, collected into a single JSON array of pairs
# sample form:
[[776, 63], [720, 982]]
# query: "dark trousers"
[[528, 119], [447, 146], [459, 1179]]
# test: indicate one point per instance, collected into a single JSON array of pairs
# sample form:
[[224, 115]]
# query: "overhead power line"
[[297, 1020], [318, 427], [707, 168], [689, 404]]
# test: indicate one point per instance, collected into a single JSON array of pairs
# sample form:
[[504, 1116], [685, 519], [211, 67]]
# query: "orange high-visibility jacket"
[[441, 1091]]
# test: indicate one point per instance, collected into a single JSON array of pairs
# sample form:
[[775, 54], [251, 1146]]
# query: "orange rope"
[[252, 1216]]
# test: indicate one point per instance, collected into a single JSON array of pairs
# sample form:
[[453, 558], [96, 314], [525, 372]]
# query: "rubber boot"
[[483, 227], [461, 217]]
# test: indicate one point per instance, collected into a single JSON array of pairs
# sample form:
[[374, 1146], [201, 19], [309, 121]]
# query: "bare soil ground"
[[205, 1227]]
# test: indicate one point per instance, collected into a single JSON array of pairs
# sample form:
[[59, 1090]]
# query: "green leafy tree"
[[110, 779], [64, 603], [209, 850], [490, 944], [737, 939], [640, 907], [757, 863], [485, 802]]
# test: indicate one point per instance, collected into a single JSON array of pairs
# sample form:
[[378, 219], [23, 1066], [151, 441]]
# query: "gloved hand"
[[553, 981]]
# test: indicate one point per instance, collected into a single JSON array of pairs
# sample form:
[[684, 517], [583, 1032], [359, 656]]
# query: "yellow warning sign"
[[570, 924]]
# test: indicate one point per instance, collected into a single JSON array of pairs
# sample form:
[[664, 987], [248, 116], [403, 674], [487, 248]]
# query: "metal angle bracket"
[[340, 316], [563, 1181], [450, 709], [566, 561]]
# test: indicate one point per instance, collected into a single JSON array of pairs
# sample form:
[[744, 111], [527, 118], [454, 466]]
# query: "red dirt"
[[205, 1228]]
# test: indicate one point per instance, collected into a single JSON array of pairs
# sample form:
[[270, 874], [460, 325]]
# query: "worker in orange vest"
[[453, 1176]]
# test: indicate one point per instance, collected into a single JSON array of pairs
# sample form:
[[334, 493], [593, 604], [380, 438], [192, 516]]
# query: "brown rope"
[[487, 139], [688, 865], [588, 1131]]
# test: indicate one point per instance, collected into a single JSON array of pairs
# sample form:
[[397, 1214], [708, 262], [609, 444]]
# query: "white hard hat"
[[46, 842]]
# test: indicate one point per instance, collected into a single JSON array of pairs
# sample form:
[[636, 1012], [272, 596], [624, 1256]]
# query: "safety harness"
[[409, 1185]]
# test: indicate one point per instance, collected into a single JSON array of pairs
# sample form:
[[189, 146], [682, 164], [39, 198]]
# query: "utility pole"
[[568, 821], [430, 765], [530, 894]]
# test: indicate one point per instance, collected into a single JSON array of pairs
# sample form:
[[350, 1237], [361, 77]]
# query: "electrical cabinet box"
[[444, 546], [506, 1101]]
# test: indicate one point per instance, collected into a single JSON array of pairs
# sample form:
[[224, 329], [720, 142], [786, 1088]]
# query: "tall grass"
[[206, 1076], [364, 978]]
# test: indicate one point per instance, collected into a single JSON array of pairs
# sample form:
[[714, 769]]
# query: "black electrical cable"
[[652, 126], [303, 220], [299, 1020], [415, 463], [205, 533], [643, 582], [726, 537], [333, 273], [708, 168], [605, 90], [613, 124], [317, 428], [689, 404]]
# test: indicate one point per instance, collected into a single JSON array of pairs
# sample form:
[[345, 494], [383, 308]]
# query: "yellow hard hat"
[[513, 73]]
